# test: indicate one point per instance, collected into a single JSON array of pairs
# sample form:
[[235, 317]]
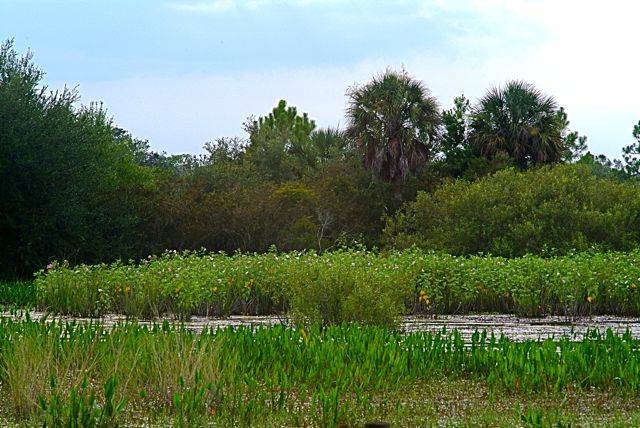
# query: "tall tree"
[[574, 144], [280, 143], [522, 122], [69, 186], [631, 154], [394, 121], [455, 152]]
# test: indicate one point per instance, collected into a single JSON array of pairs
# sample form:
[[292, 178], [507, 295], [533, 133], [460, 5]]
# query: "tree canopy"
[[280, 143], [394, 121], [522, 122], [70, 189], [631, 154]]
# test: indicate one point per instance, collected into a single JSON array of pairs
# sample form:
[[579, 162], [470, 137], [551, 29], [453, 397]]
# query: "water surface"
[[516, 328]]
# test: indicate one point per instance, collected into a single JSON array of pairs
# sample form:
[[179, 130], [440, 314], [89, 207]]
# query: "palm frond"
[[394, 121], [519, 120]]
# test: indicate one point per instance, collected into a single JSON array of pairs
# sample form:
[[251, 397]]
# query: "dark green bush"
[[510, 213]]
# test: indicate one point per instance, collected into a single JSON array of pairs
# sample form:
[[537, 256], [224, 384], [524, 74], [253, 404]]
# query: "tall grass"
[[18, 293], [315, 376], [351, 285]]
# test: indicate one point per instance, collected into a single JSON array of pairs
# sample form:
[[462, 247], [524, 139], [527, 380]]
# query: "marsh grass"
[[331, 376], [155, 365], [18, 293], [349, 285]]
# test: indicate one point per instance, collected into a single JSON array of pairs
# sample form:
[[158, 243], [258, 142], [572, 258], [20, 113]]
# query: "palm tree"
[[520, 121], [394, 121]]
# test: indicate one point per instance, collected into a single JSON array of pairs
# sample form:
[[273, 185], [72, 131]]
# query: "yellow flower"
[[633, 286], [177, 289], [127, 289], [424, 297], [589, 299], [214, 289]]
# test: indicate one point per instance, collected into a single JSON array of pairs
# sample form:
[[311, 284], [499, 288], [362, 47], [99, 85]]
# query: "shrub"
[[512, 213]]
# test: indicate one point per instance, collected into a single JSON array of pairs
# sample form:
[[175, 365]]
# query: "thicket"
[[69, 187], [551, 210], [351, 285], [228, 206]]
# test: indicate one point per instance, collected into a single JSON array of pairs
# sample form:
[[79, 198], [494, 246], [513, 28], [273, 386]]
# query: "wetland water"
[[515, 328]]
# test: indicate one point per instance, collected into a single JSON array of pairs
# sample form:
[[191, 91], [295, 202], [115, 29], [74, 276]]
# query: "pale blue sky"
[[181, 73]]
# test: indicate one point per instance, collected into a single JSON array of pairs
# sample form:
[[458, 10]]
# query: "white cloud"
[[584, 54]]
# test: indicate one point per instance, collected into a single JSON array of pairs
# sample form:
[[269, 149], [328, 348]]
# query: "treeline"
[[75, 186]]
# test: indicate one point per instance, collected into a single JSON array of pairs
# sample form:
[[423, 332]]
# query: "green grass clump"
[[18, 293], [332, 376], [350, 285]]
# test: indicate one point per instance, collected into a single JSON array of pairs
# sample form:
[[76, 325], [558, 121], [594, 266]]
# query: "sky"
[[185, 72]]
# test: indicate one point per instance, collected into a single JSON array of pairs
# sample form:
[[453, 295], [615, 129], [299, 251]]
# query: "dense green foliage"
[[631, 154], [227, 206], [511, 213], [338, 376], [455, 151], [280, 144], [334, 287], [18, 293], [347, 285], [69, 188], [576, 285]]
